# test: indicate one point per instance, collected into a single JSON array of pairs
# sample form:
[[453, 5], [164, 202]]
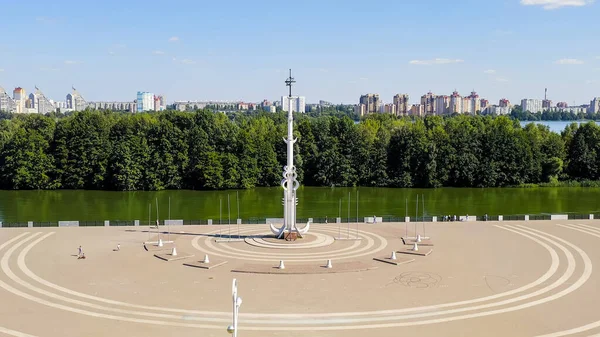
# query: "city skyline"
[[517, 51]]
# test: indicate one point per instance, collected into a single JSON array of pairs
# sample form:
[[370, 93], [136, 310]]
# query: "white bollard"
[[206, 260], [160, 243], [281, 265], [118, 246], [174, 252], [393, 257], [418, 237], [328, 265], [415, 247]]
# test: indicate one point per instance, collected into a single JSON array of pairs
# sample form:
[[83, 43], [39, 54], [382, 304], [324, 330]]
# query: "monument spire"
[[290, 184]]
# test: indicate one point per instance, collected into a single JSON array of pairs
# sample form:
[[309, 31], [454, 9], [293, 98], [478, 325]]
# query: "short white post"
[[393, 257], [500, 217], [526, 217], [328, 265], [106, 223], [281, 265], [29, 223]]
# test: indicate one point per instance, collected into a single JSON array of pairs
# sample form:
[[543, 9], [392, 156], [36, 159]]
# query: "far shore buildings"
[[298, 104]]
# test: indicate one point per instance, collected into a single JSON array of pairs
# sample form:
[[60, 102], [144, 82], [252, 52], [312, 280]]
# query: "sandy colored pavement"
[[531, 278]]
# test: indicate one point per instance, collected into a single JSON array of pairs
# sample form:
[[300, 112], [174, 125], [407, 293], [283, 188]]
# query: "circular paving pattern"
[[368, 244], [569, 269], [310, 240]]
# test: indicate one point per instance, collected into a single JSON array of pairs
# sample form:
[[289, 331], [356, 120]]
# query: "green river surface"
[[316, 202]]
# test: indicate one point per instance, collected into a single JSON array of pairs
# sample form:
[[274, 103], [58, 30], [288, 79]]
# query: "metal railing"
[[320, 220]]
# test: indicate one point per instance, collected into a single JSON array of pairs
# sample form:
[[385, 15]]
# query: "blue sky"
[[338, 49]]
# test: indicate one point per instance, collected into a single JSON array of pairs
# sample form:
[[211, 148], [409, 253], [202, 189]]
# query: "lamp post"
[[237, 302]]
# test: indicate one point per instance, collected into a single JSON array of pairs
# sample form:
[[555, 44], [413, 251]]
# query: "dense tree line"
[[547, 115], [206, 150]]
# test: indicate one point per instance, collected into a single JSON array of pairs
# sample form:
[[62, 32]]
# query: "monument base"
[[290, 236]]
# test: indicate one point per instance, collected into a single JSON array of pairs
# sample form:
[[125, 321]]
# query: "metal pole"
[[237, 197], [423, 200], [357, 214], [417, 216], [149, 219], [229, 216], [169, 223], [220, 215], [348, 215], [340, 222], [406, 216], [157, 221]]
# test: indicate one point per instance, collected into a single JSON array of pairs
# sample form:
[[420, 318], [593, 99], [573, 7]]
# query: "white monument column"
[[289, 183]]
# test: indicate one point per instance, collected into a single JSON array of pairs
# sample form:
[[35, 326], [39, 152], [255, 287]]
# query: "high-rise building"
[[466, 105], [531, 105], [19, 97], [442, 105], [595, 105], [456, 103], [497, 110], [483, 103], [371, 102], [159, 103], [389, 109], [361, 109], [298, 103], [428, 103], [504, 103], [474, 106], [75, 101], [546, 104], [417, 110], [145, 101], [401, 104], [6, 103], [40, 103], [562, 105]]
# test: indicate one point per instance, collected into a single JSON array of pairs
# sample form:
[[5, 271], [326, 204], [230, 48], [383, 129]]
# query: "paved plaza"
[[532, 278]]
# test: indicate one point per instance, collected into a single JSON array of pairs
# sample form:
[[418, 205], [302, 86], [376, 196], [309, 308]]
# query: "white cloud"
[[554, 4], [111, 53], [158, 52], [173, 39], [490, 71], [591, 81], [569, 61], [363, 79], [49, 69], [501, 79], [72, 62], [188, 61], [435, 61]]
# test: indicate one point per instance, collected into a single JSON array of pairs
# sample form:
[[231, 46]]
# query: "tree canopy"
[[208, 150]]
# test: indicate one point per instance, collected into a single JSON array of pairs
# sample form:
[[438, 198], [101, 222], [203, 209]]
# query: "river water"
[[555, 126], [21, 206]]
